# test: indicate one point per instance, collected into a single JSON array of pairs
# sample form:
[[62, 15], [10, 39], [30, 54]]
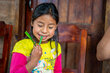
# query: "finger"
[[40, 49], [34, 47]]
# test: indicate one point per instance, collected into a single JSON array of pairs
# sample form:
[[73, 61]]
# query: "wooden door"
[[86, 14]]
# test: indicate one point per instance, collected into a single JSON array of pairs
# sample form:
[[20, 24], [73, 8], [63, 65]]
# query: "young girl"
[[44, 58]]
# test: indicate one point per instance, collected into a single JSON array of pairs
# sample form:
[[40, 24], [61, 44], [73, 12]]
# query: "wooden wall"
[[9, 13]]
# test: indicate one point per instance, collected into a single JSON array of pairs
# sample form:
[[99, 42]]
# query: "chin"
[[44, 40]]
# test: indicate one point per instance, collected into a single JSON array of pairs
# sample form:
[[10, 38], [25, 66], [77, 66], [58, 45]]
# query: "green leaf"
[[40, 40], [27, 34]]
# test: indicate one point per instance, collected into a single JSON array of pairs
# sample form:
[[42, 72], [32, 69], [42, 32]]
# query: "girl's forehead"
[[45, 19]]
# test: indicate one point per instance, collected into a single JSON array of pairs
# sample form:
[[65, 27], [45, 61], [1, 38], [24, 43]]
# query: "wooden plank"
[[47, 1], [63, 47], [97, 12], [96, 30], [1, 46], [88, 12], [34, 4], [72, 55], [106, 66], [21, 19], [70, 34], [55, 2], [63, 10], [30, 6], [42, 1], [107, 16], [28, 16], [76, 11], [7, 35], [17, 17]]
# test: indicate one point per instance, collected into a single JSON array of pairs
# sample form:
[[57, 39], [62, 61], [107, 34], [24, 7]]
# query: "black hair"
[[47, 8]]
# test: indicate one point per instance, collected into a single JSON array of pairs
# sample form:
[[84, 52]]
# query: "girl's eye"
[[50, 27], [40, 25]]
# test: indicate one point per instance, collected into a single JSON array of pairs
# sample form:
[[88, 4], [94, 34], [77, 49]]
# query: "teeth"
[[42, 35]]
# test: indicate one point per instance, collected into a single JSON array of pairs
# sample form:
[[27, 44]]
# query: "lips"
[[44, 36]]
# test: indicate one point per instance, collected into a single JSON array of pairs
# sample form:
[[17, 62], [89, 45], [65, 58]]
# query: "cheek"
[[52, 32], [35, 29]]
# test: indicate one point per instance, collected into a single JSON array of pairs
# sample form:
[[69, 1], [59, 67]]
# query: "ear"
[[31, 23]]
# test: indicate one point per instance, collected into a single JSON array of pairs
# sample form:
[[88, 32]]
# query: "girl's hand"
[[36, 53], [35, 56]]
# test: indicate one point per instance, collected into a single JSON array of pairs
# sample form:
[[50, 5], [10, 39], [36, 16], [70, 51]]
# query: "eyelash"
[[40, 25], [50, 27]]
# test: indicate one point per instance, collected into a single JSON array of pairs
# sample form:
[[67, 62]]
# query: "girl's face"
[[44, 26]]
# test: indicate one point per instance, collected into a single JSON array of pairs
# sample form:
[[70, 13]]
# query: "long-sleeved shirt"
[[48, 63]]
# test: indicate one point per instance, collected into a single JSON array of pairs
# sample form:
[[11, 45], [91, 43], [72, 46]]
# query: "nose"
[[45, 30]]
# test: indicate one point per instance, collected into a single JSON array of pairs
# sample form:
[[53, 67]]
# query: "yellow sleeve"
[[24, 47], [59, 47]]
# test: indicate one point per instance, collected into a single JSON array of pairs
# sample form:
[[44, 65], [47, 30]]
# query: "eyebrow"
[[51, 24], [40, 22], [44, 23]]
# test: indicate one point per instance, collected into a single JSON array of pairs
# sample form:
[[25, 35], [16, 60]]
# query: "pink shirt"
[[19, 61]]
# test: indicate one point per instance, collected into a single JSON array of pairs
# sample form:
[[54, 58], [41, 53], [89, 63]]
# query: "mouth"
[[44, 36]]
